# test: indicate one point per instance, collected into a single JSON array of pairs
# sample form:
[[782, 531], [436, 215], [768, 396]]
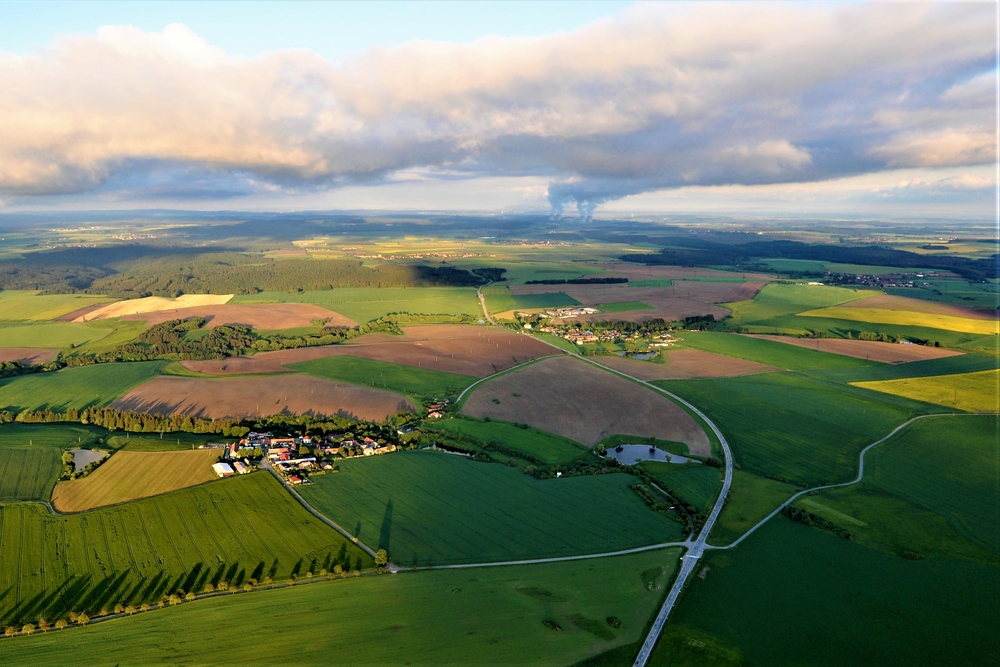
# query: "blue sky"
[[580, 108]]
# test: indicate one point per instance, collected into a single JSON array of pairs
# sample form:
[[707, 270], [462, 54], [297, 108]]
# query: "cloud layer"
[[663, 96]]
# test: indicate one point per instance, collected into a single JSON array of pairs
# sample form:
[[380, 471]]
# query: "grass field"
[[53, 335], [794, 595], [779, 355], [421, 382], [549, 447], [363, 304], [697, 484], [29, 305], [663, 282], [777, 299], [430, 508], [429, 618], [966, 363], [499, 299], [132, 475], [623, 306], [907, 318], [972, 392], [60, 436], [234, 530], [79, 387], [751, 498], [28, 473], [794, 427]]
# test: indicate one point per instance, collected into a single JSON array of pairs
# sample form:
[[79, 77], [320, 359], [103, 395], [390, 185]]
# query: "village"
[[580, 336]]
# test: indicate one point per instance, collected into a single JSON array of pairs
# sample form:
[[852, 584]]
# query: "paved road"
[[482, 302]]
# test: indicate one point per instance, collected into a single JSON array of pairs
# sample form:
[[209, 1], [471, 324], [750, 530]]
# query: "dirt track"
[[253, 397], [888, 353], [258, 316], [467, 350], [686, 365], [582, 402], [27, 355]]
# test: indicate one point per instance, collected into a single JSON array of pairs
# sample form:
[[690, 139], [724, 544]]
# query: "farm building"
[[294, 479], [240, 468], [223, 469]]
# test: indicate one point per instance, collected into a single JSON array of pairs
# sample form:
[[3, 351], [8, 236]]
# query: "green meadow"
[[772, 353], [795, 595], [421, 382], [231, 530], [363, 304], [794, 427], [777, 299], [28, 473], [29, 305], [548, 614], [696, 484], [432, 508], [55, 335], [499, 299], [550, 448], [77, 387], [751, 498]]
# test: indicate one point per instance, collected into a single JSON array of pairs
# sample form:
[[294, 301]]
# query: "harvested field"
[[257, 316], [889, 302], [132, 475], [687, 364], [460, 349], [684, 298], [579, 401], [888, 353], [151, 304], [27, 355], [249, 397], [80, 313]]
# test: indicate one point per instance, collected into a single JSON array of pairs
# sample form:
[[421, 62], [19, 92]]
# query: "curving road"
[[482, 302]]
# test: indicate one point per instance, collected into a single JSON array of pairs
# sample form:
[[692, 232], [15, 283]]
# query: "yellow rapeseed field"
[[908, 318], [973, 392]]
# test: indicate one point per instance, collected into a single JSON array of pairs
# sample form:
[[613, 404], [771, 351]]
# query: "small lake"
[[81, 457], [632, 454], [644, 356]]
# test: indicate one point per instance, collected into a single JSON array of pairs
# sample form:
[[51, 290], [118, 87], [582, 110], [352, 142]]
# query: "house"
[[435, 415], [223, 469], [294, 479], [240, 468]]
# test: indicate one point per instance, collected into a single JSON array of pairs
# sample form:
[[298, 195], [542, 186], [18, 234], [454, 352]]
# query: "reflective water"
[[632, 454], [81, 457]]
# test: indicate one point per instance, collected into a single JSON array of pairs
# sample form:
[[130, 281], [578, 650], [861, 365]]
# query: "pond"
[[632, 454], [644, 356], [81, 457]]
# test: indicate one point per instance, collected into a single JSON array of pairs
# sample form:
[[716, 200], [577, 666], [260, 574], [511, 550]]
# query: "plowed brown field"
[[27, 355], [686, 365], [890, 302], [579, 401], [685, 298], [889, 353], [131, 475], [467, 350], [258, 316], [252, 397]]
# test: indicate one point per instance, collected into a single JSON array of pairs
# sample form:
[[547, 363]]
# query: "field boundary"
[[538, 561], [458, 401]]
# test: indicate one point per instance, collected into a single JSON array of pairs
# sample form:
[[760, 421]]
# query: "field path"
[[482, 302]]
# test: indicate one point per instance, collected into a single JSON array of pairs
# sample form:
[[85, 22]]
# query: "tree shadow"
[[386, 532]]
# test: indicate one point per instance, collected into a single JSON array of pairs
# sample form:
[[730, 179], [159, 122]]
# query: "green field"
[[60, 436], [78, 387], [972, 392], [28, 473], [430, 508], [696, 484], [623, 306], [777, 299], [29, 305], [233, 530], [421, 382], [966, 363], [794, 595], [931, 490], [907, 319], [963, 292], [363, 304], [663, 282], [770, 352], [57, 335], [549, 447], [794, 427], [427, 618], [499, 299], [169, 442], [751, 498]]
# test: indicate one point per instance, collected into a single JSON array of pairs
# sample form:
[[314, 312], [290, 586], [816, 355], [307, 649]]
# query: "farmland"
[[892, 302], [152, 304], [872, 350], [579, 401], [908, 318], [233, 530], [131, 475], [31, 356], [771, 353], [80, 387], [794, 595], [257, 316], [696, 484], [55, 335], [777, 299], [751, 498], [685, 364], [29, 305], [972, 392], [461, 349], [28, 473], [248, 396], [430, 618], [623, 306], [406, 503], [548, 447], [499, 299], [384, 375], [363, 304], [794, 427]]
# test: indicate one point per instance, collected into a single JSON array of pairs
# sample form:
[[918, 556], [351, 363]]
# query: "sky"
[[593, 108]]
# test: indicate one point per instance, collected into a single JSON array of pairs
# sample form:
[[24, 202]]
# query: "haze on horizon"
[[814, 109]]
